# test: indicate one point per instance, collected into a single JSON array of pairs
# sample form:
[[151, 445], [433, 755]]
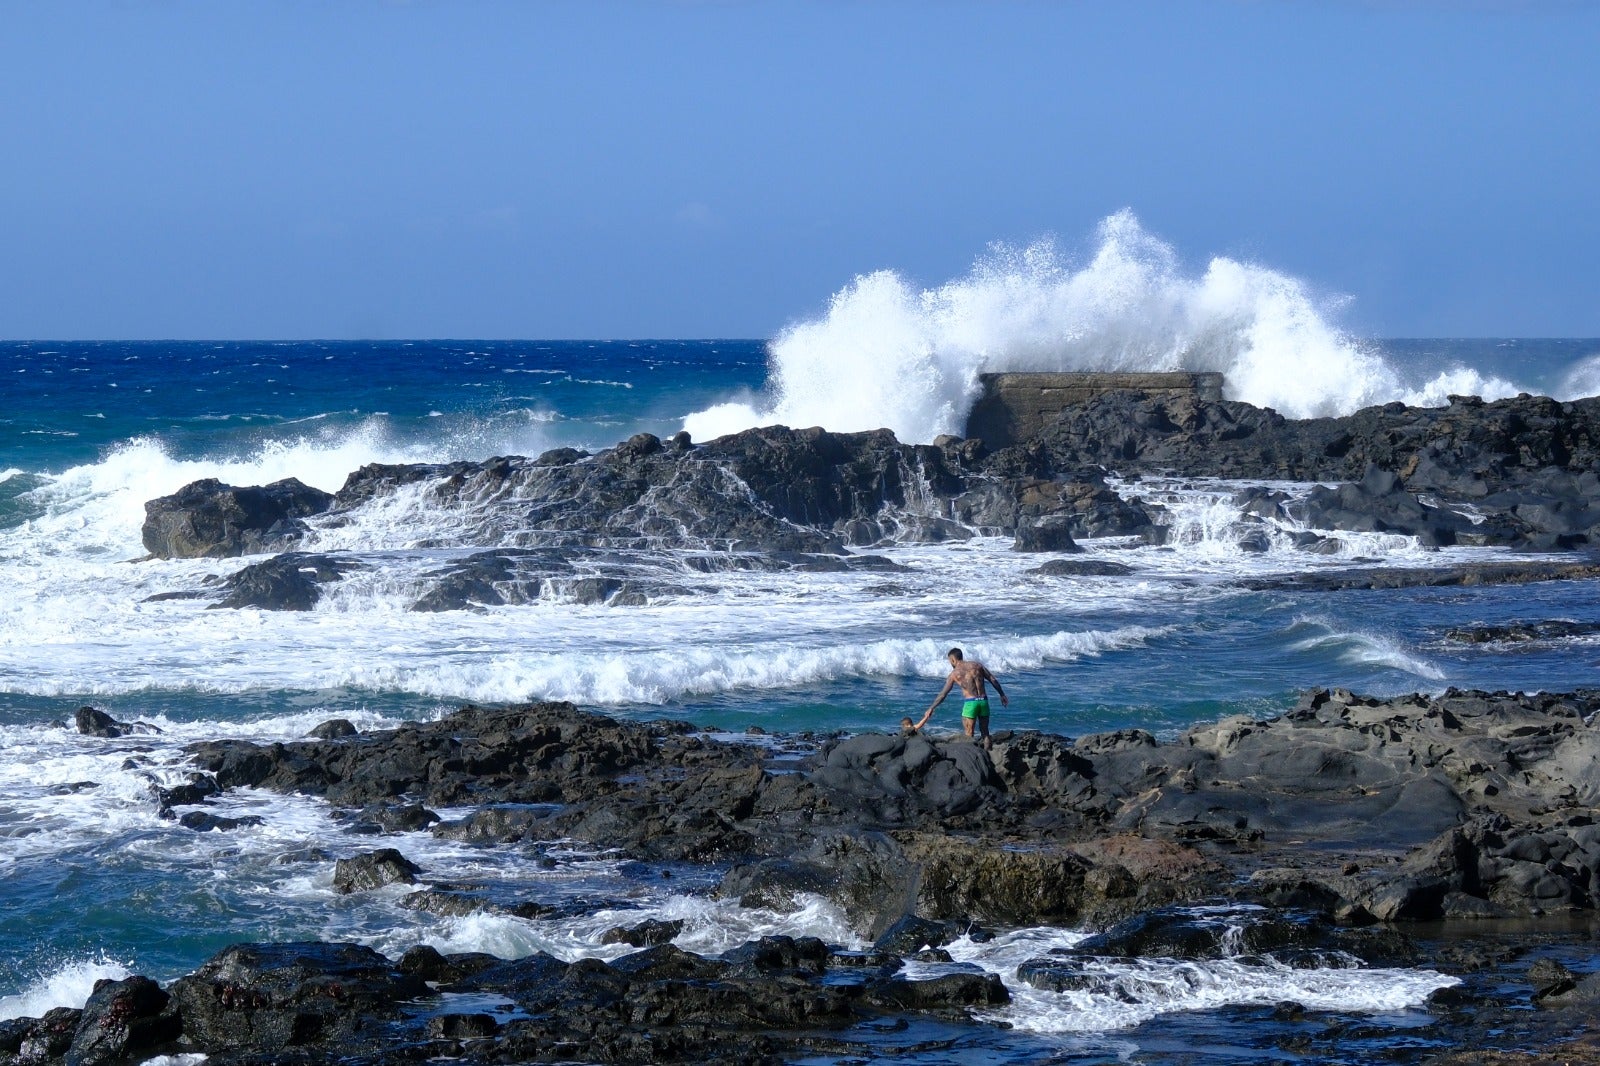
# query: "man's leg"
[[983, 727], [967, 724]]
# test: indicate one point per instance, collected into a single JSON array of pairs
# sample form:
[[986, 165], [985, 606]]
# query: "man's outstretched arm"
[[995, 681], [948, 685]]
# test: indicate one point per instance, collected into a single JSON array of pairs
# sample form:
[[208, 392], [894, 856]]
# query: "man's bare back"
[[968, 676], [971, 676]]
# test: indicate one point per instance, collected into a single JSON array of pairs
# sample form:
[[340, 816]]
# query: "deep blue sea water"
[[95, 883]]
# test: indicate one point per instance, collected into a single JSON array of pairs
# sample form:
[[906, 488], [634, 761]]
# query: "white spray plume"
[[888, 354]]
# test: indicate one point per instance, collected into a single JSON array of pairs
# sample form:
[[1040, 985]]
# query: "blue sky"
[[597, 169]]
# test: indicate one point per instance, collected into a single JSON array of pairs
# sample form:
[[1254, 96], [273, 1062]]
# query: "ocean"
[[96, 883]]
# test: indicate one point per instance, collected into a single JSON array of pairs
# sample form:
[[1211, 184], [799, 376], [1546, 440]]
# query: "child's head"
[[907, 723]]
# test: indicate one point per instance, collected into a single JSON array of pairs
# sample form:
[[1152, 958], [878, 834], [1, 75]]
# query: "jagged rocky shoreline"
[[645, 518], [1355, 824]]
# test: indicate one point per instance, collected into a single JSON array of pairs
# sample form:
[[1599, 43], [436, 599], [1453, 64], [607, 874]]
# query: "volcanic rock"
[[123, 1020], [97, 723], [209, 519], [289, 582], [271, 997], [374, 869]]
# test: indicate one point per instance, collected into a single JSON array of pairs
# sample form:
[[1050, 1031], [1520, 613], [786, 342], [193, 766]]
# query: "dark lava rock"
[[289, 582], [1529, 463], [1550, 978], [39, 1040], [333, 729], [197, 789], [463, 1026], [494, 825], [95, 723], [396, 817], [946, 992], [374, 869], [1522, 632], [1187, 933], [647, 934], [271, 997], [912, 934], [1486, 797], [780, 954], [1049, 535], [891, 777], [210, 519], [528, 754], [1082, 568], [661, 1005], [122, 1021], [1379, 504], [430, 964], [202, 822], [1467, 575], [527, 575]]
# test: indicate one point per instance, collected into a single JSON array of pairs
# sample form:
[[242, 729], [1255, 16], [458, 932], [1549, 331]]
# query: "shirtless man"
[[970, 675]]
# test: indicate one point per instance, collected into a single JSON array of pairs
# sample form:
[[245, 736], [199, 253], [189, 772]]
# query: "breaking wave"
[[887, 353]]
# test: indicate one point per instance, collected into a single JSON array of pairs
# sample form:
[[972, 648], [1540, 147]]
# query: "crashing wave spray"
[[887, 354]]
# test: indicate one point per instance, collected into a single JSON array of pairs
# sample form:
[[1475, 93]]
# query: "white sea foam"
[[68, 985], [710, 927], [1122, 993], [62, 792], [887, 353]]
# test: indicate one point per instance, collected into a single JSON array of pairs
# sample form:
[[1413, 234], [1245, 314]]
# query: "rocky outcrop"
[[637, 522], [1529, 463], [1523, 632], [541, 753], [92, 722], [123, 1021], [891, 825], [374, 869], [270, 998], [208, 518], [1345, 817]]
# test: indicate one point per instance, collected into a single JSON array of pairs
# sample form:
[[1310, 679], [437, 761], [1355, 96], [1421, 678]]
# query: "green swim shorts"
[[978, 708]]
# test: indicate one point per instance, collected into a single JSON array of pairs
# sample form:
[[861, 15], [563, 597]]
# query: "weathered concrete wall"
[[1016, 406]]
